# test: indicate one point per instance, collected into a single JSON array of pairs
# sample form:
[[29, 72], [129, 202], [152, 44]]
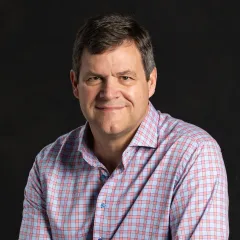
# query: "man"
[[131, 172]]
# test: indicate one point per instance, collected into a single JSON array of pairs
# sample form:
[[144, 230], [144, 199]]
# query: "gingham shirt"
[[171, 184]]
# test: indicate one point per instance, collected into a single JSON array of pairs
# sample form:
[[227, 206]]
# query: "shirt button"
[[103, 205], [103, 177]]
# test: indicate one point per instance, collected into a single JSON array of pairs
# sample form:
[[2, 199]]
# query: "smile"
[[106, 109]]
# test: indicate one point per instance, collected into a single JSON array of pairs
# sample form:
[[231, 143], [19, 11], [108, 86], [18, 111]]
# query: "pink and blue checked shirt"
[[171, 184]]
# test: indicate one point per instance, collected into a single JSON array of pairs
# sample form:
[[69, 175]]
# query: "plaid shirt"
[[171, 184]]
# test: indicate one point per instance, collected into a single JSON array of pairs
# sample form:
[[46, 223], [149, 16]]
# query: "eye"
[[125, 77], [94, 78]]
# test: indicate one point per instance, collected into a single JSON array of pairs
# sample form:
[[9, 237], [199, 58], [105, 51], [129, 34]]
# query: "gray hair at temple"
[[108, 31]]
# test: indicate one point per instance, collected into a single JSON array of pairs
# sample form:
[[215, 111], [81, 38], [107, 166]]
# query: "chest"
[[92, 206]]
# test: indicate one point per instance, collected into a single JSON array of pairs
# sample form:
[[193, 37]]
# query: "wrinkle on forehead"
[[118, 59]]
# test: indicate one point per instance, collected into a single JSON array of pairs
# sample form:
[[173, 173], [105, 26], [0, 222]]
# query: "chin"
[[111, 129]]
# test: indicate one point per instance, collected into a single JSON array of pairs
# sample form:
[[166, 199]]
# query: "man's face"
[[112, 90]]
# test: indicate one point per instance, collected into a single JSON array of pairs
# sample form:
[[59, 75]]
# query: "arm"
[[199, 208], [35, 223]]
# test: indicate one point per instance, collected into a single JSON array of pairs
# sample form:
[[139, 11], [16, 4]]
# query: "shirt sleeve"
[[199, 207], [35, 223]]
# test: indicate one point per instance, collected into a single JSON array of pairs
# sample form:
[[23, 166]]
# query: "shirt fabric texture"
[[170, 184]]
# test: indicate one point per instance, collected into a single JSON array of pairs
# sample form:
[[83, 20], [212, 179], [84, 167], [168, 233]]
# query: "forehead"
[[125, 56]]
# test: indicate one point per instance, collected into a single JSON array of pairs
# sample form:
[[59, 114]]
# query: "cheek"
[[87, 95], [137, 95]]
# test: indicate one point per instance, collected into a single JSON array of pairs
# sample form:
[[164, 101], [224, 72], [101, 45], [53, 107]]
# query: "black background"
[[195, 45]]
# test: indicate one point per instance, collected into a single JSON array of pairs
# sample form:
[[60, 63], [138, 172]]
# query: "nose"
[[110, 89]]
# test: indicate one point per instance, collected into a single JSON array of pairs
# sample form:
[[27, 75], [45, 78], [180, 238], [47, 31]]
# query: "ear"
[[152, 82], [74, 82]]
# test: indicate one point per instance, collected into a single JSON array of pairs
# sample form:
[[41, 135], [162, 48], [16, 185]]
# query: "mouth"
[[107, 109]]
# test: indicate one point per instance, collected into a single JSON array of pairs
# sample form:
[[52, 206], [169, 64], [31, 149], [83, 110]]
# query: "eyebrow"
[[91, 73]]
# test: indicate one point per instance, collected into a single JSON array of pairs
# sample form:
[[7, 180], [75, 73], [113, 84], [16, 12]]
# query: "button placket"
[[102, 205], [99, 212]]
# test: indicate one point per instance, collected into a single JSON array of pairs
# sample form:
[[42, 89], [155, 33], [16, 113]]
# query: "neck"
[[109, 149]]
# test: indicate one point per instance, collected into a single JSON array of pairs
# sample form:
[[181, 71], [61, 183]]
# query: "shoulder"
[[183, 139], [189, 147], [177, 129], [64, 147]]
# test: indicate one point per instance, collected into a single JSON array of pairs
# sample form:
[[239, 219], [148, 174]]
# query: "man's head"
[[105, 32], [113, 74]]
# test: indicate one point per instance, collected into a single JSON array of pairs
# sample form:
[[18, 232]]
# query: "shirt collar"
[[83, 147], [147, 133]]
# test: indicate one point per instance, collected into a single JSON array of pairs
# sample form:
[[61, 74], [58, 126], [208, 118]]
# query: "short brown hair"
[[103, 32]]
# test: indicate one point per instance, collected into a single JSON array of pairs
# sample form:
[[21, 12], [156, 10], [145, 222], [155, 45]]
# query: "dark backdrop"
[[195, 48]]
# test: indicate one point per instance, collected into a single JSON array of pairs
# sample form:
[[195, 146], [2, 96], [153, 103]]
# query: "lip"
[[109, 108]]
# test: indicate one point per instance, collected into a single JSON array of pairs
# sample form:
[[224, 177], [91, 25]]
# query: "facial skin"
[[113, 92]]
